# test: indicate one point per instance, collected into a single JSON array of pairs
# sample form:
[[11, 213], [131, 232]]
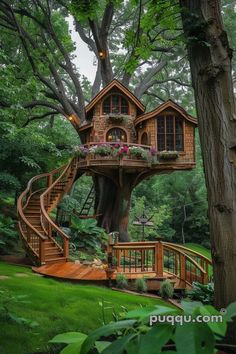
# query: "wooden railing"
[[158, 259], [33, 238], [59, 183], [202, 260], [43, 184]]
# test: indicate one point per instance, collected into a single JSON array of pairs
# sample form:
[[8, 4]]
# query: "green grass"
[[200, 249], [57, 307]]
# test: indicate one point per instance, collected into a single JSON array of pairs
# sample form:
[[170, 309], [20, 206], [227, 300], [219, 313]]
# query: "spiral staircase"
[[43, 240]]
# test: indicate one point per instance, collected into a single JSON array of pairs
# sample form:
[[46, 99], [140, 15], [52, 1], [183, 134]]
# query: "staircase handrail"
[[47, 191], [20, 206]]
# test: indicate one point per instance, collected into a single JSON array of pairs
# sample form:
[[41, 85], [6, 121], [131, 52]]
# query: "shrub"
[[166, 289], [141, 285], [121, 281], [201, 292]]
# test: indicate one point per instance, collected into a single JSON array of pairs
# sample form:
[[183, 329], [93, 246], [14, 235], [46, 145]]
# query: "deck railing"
[[157, 259]]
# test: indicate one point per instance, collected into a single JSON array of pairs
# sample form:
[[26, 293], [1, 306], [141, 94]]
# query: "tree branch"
[[31, 119]]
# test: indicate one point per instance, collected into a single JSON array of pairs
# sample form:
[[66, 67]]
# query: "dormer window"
[[115, 104], [170, 133]]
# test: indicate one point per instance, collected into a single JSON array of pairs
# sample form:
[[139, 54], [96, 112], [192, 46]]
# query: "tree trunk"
[[113, 203], [210, 62]]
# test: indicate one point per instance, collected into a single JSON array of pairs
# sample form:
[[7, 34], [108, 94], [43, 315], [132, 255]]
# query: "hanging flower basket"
[[168, 155]]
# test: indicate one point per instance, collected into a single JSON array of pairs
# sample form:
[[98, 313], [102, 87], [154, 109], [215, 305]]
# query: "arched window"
[[116, 135], [170, 133], [144, 139], [115, 104]]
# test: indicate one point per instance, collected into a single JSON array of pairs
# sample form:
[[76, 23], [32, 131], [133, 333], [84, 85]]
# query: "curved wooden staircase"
[[44, 241]]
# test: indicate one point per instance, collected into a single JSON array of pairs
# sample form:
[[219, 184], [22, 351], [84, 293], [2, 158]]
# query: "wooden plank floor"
[[73, 271]]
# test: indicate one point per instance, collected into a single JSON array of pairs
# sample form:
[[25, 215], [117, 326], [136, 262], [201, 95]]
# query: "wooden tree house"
[[122, 145]]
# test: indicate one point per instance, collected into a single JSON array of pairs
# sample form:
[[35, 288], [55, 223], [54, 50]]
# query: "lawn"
[[198, 248], [56, 306]]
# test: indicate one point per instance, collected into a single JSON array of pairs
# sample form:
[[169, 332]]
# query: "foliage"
[[201, 292], [166, 289], [57, 307], [121, 281], [88, 236], [132, 332], [140, 285], [8, 234]]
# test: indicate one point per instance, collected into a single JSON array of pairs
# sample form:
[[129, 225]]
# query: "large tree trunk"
[[210, 61], [113, 204]]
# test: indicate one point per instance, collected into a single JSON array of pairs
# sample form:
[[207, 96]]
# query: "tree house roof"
[[164, 106], [120, 87]]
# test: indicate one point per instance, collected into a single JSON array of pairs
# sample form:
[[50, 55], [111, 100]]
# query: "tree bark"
[[112, 203], [210, 62]]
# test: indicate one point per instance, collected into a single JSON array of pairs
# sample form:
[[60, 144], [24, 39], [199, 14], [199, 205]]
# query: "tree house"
[[115, 115], [122, 145]]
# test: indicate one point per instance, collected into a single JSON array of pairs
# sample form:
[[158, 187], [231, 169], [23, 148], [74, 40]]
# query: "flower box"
[[168, 155], [117, 117]]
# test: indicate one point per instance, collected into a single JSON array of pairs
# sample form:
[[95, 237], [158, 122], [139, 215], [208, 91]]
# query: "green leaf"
[[194, 338], [159, 334], [105, 331], [69, 337], [118, 346], [101, 345], [73, 348], [190, 306], [230, 312], [216, 327], [146, 312]]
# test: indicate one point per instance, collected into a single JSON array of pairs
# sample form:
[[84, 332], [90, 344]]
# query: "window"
[[116, 135], [170, 133], [115, 104], [144, 139]]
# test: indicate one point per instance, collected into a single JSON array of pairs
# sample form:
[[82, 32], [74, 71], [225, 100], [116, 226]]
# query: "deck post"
[[42, 251], [182, 271], [159, 259], [66, 248]]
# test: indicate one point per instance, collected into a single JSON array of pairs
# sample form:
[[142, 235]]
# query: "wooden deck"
[[80, 272]]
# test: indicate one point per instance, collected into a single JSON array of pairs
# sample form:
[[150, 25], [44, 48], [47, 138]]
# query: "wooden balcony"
[[129, 156]]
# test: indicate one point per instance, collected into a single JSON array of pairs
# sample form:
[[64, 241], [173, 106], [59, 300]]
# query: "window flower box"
[[168, 155], [117, 117]]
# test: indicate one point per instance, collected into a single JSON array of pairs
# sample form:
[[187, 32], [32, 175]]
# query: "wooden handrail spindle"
[[159, 259]]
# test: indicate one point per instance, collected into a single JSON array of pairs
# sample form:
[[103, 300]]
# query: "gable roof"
[[161, 108], [115, 84]]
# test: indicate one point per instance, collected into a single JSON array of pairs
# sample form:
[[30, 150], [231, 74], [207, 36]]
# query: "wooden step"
[[55, 260]]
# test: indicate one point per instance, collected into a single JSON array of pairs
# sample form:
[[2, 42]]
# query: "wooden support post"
[[176, 264], [118, 260], [182, 271], [42, 251], [66, 248], [205, 278], [159, 259], [142, 260]]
